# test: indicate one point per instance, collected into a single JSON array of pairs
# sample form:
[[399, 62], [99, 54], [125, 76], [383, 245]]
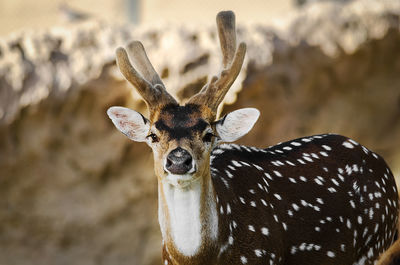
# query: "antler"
[[232, 60], [146, 80]]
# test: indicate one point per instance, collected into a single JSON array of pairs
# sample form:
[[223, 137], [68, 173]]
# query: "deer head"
[[182, 136]]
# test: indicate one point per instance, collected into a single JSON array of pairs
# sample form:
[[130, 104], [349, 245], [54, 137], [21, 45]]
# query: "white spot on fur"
[[258, 252], [326, 147], [361, 261], [265, 231], [348, 145]]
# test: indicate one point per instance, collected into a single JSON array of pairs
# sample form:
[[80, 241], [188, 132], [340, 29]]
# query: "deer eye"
[[208, 137], [154, 138]]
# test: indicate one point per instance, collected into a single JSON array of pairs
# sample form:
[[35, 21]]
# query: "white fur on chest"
[[183, 206]]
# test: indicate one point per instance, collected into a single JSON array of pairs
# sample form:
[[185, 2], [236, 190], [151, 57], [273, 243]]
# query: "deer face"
[[182, 137]]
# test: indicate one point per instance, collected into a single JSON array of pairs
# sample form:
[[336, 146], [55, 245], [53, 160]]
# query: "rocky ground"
[[73, 190]]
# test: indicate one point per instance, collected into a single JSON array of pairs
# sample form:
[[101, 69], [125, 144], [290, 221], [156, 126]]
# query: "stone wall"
[[73, 190]]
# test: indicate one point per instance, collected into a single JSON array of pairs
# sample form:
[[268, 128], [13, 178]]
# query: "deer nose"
[[179, 162]]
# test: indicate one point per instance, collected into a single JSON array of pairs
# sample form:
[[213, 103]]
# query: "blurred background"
[[73, 190], [19, 14]]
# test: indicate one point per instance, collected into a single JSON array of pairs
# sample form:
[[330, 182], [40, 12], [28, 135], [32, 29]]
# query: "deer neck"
[[188, 218]]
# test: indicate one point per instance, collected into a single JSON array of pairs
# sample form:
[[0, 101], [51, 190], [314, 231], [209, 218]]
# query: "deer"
[[321, 199]]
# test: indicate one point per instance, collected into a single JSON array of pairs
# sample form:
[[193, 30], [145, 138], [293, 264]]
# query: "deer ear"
[[236, 124], [130, 122]]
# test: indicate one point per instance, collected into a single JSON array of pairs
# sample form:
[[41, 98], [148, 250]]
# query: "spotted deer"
[[322, 199]]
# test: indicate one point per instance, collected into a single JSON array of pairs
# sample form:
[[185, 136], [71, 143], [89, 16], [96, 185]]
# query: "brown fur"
[[391, 256]]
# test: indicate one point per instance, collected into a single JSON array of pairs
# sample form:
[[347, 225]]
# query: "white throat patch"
[[185, 227], [184, 214]]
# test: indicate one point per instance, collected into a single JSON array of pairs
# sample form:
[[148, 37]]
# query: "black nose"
[[179, 161]]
